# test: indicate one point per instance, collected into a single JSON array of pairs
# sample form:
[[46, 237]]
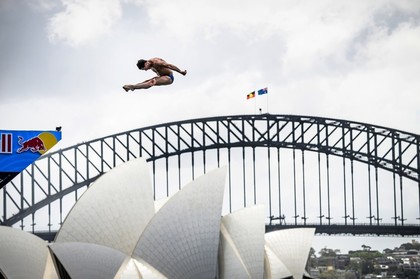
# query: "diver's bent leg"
[[143, 85], [163, 80]]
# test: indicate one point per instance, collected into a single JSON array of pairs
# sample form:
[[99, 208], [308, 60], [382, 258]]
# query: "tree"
[[311, 259], [331, 274], [367, 267], [367, 260], [413, 245], [326, 252], [366, 248], [387, 251]]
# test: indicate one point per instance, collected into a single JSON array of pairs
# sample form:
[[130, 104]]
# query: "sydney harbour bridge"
[[339, 176]]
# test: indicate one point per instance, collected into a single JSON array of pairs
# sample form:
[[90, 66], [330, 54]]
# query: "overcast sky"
[[63, 62]]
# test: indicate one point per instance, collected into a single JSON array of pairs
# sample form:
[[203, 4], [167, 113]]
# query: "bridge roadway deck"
[[333, 229], [357, 229]]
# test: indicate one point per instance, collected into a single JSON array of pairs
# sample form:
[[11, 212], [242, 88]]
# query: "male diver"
[[163, 70]]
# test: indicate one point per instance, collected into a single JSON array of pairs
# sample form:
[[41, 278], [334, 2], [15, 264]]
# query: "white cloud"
[[355, 60], [187, 18], [386, 48], [42, 5], [386, 78], [82, 21]]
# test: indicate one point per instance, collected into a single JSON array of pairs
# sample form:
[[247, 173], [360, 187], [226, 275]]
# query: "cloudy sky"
[[63, 63]]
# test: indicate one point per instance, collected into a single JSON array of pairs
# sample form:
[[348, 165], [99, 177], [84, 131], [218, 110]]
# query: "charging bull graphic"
[[19, 149], [34, 144]]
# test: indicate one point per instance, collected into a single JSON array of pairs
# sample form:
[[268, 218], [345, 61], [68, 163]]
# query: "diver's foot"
[[127, 88]]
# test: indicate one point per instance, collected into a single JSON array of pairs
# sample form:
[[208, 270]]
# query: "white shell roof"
[[231, 264], [182, 240], [22, 255], [129, 271], [115, 218], [114, 210], [160, 203], [147, 271], [87, 260], [274, 267], [292, 247], [246, 229]]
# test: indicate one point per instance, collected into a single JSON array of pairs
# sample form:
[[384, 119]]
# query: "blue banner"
[[19, 149]]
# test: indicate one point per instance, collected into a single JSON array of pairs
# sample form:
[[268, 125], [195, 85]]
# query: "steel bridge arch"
[[63, 172]]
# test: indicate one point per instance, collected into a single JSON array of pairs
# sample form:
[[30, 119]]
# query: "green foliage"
[[326, 252], [331, 274], [366, 264], [366, 255], [411, 245]]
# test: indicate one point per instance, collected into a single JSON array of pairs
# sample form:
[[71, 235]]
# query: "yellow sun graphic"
[[48, 139]]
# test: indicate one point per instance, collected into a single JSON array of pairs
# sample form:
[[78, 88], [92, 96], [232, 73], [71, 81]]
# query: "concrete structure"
[[24, 255], [114, 210], [241, 252], [291, 247], [117, 230], [182, 239], [87, 260]]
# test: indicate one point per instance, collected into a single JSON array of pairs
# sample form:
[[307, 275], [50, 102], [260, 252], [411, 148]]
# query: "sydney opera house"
[[117, 230]]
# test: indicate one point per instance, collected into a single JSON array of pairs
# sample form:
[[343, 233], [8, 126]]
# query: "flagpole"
[[255, 105], [264, 91]]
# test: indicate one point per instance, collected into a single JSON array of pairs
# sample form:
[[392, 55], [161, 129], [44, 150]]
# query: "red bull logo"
[[34, 144], [19, 149]]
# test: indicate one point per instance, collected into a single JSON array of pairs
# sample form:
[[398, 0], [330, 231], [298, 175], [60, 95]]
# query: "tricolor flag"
[[263, 91], [250, 95]]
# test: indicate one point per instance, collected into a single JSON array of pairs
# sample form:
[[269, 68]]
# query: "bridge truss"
[[337, 175]]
